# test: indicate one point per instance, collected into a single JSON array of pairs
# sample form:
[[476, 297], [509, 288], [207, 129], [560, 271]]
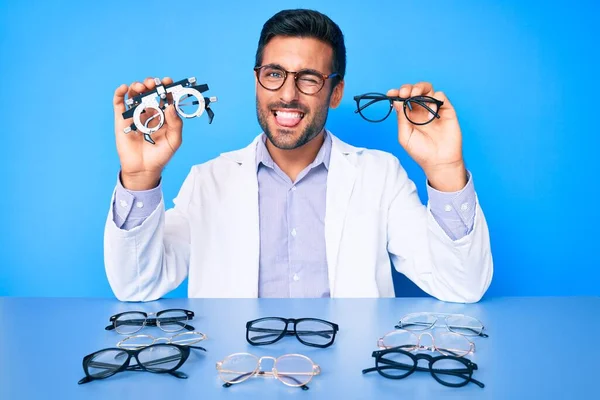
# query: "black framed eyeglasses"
[[171, 320], [376, 107], [309, 331], [161, 358], [451, 371], [308, 81]]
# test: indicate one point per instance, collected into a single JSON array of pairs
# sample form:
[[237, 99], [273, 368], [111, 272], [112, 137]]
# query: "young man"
[[298, 213]]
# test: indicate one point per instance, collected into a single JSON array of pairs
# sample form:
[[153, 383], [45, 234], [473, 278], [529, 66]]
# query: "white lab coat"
[[373, 212]]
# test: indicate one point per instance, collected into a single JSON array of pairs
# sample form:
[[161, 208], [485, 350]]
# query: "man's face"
[[289, 117]]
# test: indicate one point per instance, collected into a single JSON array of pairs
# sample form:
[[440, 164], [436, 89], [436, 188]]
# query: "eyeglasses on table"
[[139, 341], [376, 107], [444, 342], [396, 363], [309, 331], [171, 320], [158, 358], [294, 370], [458, 323]]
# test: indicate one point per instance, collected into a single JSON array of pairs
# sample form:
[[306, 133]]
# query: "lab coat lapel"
[[340, 183]]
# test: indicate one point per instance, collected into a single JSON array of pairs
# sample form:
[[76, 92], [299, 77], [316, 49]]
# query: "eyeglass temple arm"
[[228, 384], [476, 331]]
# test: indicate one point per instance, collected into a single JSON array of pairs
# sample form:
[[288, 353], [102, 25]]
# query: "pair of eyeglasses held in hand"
[[376, 107], [158, 358], [171, 320], [309, 331], [294, 370]]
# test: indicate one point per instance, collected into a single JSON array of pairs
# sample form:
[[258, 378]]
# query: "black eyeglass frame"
[[184, 351], [286, 73], [420, 100], [389, 364], [152, 321], [289, 332]]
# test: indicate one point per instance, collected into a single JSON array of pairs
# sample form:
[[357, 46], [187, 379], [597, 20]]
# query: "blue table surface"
[[538, 347]]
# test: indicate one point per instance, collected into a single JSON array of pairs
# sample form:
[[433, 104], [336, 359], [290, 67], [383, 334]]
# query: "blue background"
[[523, 77]]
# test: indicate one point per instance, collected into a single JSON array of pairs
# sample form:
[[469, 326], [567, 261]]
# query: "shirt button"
[[296, 277], [447, 208], [293, 188], [139, 204], [464, 206], [123, 203], [294, 232]]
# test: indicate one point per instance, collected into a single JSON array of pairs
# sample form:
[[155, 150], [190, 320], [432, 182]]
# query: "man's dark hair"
[[305, 24]]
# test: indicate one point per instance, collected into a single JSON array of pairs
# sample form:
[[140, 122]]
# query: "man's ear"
[[336, 96]]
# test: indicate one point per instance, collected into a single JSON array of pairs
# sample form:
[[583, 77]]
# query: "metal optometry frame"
[[180, 91]]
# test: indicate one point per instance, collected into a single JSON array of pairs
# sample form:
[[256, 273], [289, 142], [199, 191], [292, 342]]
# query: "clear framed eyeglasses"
[[295, 370], [444, 342], [457, 323], [140, 341]]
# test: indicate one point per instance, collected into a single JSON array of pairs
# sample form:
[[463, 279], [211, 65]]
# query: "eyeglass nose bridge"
[[420, 346]]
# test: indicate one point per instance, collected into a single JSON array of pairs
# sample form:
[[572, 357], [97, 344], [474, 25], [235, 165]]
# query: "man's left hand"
[[436, 146]]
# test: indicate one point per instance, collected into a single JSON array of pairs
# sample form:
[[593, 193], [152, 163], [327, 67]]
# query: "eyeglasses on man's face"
[[308, 81], [376, 107]]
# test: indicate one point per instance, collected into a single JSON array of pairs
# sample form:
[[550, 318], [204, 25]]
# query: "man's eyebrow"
[[274, 65]]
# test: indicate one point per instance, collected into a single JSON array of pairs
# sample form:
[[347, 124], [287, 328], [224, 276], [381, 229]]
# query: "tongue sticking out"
[[288, 119]]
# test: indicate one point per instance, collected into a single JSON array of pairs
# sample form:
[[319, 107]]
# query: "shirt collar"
[[323, 156]]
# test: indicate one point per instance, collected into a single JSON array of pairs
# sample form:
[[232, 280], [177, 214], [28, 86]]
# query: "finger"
[[422, 89], [119, 99], [149, 84], [392, 93], [167, 81], [405, 90], [446, 110], [135, 89]]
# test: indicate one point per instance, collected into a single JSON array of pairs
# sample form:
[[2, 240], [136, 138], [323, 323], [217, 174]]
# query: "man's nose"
[[289, 92]]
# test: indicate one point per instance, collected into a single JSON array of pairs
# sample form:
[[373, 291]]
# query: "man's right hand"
[[142, 162]]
